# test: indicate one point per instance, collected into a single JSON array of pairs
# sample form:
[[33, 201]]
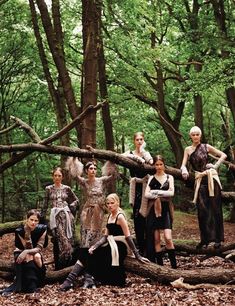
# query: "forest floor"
[[139, 290]]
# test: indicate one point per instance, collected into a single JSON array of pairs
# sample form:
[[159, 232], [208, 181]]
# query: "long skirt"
[[210, 215], [99, 264]]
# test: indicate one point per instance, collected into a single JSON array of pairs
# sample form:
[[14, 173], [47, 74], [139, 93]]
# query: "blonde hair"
[[115, 197], [195, 129], [138, 134]]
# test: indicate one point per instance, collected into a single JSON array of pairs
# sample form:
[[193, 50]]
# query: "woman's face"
[[91, 171], [112, 205], [138, 141], [57, 177], [196, 137], [159, 166], [32, 222]]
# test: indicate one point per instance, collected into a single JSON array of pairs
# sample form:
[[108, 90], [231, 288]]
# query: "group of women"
[[100, 256]]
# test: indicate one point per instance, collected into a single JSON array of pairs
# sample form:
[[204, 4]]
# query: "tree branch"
[[21, 124], [20, 156]]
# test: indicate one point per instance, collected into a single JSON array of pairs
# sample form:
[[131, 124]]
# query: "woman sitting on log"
[[30, 239], [105, 259]]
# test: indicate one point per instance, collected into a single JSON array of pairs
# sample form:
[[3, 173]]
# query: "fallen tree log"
[[152, 271], [191, 249], [9, 227], [166, 275]]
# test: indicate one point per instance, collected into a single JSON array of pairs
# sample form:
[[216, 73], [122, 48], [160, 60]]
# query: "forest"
[[79, 78]]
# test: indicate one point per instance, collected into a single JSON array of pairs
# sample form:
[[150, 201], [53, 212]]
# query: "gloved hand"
[[132, 246], [152, 194], [210, 166], [142, 147], [138, 159], [184, 172], [100, 242]]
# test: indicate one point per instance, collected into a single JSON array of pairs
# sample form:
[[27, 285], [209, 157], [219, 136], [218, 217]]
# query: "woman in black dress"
[[30, 239], [159, 190], [104, 260], [138, 183], [207, 193]]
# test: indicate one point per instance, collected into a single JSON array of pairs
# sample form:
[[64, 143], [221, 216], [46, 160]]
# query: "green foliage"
[[138, 36]]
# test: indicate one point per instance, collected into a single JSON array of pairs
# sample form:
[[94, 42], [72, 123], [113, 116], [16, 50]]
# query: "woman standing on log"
[[63, 201], [159, 190], [138, 183], [207, 193], [30, 239], [104, 260]]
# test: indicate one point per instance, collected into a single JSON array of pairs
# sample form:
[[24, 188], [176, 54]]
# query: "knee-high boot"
[[159, 258], [69, 282], [171, 254]]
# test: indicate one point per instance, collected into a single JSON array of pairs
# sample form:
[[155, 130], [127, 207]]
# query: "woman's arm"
[[183, 167], [72, 200], [100, 242], [217, 153], [123, 223], [150, 194], [147, 157], [33, 251], [109, 171]]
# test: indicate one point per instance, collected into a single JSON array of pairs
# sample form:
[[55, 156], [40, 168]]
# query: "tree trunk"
[[153, 271], [90, 70], [170, 127], [220, 18], [230, 93], [57, 52], [108, 127]]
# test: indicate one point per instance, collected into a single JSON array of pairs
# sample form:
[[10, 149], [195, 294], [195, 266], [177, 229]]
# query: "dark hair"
[[32, 212], [88, 164], [57, 169], [159, 157]]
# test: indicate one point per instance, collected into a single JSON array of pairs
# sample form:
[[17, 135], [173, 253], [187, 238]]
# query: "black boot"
[[89, 281], [69, 282], [171, 254], [159, 258]]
